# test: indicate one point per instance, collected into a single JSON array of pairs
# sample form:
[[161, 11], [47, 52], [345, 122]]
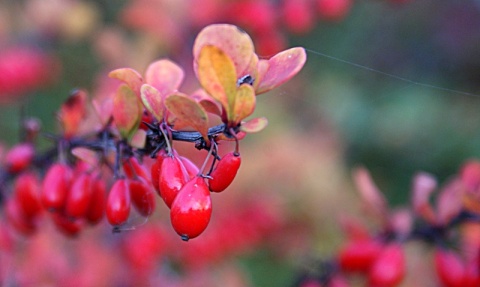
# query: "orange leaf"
[[217, 76], [231, 40], [188, 110], [254, 125], [165, 76], [152, 100], [244, 104], [127, 111], [130, 77], [281, 68]]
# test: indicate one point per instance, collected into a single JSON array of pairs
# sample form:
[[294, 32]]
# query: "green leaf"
[[188, 110], [127, 111], [254, 125], [152, 100], [217, 76]]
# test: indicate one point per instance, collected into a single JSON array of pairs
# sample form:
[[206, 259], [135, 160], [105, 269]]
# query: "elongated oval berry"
[[142, 195], [388, 269], [192, 208], [358, 255], [27, 193], [96, 209], [133, 168], [66, 225], [78, 199], [450, 268], [19, 157], [155, 169], [118, 203], [55, 187], [172, 178], [224, 172]]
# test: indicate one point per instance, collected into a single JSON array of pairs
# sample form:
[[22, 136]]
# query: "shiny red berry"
[[78, 199], [27, 193], [118, 203], [96, 209], [55, 187], [388, 270], [172, 178], [155, 169], [192, 208], [142, 195], [224, 172]]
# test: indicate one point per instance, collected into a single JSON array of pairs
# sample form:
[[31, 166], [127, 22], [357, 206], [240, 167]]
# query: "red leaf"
[[165, 76], [281, 68], [254, 125]]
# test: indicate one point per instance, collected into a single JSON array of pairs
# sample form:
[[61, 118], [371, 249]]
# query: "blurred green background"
[[351, 87]]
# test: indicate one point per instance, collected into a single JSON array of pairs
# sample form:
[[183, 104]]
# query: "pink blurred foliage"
[[25, 70]]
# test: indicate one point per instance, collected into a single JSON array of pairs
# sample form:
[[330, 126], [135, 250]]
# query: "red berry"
[[55, 187], [66, 225], [298, 16], [27, 193], [96, 209], [472, 274], [192, 208], [133, 168], [19, 157], [333, 10], [17, 219], [142, 195], [449, 268], [172, 178], [257, 16], [155, 169], [358, 255], [118, 203], [388, 269], [224, 172], [78, 199], [192, 168]]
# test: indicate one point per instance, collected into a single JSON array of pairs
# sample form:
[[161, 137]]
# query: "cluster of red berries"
[[381, 259], [114, 136], [75, 195]]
